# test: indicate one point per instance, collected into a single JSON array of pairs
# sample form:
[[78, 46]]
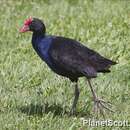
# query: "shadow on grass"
[[37, 109], [57, 110]]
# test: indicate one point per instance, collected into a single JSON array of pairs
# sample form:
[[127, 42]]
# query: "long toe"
[[73, 111], [106, 105], [100, 106]]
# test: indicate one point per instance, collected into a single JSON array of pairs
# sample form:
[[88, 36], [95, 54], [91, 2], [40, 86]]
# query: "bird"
[[69, 58]]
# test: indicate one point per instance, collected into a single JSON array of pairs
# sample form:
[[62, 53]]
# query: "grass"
[[34, 98]]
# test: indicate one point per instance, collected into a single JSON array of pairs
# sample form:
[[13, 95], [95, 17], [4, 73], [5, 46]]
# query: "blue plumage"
[[41, 46]]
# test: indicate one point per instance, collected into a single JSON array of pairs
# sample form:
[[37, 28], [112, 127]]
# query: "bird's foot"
[[72, 111], [100, 105]]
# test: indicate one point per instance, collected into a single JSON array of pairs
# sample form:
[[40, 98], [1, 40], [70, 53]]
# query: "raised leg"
[[73, 109], [99, 104]]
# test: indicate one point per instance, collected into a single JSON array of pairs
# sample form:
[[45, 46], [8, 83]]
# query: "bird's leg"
[[99, 104], [73, 109]]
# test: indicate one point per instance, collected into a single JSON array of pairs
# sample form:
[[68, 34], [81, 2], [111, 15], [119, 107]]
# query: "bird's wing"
[[72, 56]]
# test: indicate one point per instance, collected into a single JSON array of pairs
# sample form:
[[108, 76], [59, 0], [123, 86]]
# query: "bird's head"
[[33, 25]]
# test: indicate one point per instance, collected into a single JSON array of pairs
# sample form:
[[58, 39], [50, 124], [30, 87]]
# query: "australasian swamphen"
[[68, 58]]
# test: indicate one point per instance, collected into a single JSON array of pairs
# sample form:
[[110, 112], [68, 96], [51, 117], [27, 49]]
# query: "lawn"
[[32, 97]]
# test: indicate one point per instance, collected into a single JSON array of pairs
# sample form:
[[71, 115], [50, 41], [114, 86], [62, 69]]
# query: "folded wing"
[[76, 58]]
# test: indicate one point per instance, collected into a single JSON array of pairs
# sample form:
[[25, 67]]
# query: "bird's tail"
[[105, 65]]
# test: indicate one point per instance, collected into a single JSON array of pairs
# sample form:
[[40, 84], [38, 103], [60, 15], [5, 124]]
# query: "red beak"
[[25, 28]]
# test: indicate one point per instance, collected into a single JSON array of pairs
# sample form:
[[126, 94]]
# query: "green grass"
[[34, 98]]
